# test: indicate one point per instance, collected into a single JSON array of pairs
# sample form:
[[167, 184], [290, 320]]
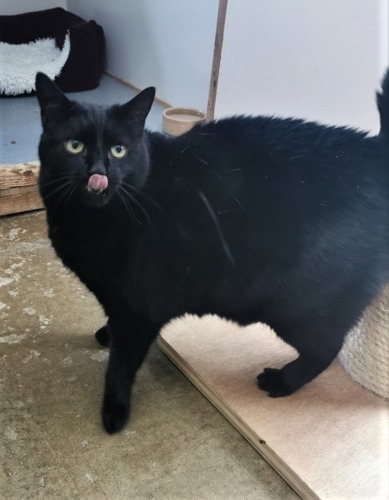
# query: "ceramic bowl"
[[177, 121]]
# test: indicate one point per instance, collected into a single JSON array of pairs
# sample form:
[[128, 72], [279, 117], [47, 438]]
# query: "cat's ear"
[[55, 106], [138, 108]]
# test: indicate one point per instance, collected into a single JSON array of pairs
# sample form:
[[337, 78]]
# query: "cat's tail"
[[383, 107]]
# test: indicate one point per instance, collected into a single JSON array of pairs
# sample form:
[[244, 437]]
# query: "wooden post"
[[217, 53]]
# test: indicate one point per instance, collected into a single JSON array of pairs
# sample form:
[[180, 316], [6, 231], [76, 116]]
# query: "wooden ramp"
[[329, 440]]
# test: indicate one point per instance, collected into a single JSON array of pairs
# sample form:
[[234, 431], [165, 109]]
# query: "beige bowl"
[[177, 121]]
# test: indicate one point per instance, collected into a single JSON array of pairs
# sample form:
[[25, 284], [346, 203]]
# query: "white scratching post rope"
[[365, 353]]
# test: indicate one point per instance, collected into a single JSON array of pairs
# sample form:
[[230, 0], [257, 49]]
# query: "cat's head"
[[91, 153]]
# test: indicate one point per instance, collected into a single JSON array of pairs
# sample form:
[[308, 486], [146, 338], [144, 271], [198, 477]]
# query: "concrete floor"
[[52, 444]]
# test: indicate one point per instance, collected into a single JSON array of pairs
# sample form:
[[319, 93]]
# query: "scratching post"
[[365, 354]]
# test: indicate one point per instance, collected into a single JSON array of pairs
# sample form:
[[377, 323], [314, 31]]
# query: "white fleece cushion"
[[20, 63]]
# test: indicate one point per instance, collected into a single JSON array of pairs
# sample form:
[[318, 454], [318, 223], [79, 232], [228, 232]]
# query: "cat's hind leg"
[[317, 344], [318, 334]]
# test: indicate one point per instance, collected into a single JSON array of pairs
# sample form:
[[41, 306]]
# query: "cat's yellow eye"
[[74, 146], [119, 151]]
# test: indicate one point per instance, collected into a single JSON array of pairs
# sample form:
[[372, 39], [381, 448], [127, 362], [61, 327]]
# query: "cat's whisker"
[[67, 190], [57, 189], [70, 194], [143, 195], [54, 181], [136, 202], [147, 198], [62, 197], [128, 206]]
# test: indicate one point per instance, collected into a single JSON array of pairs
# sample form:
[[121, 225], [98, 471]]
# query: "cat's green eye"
[[74, 146], [119, 151]]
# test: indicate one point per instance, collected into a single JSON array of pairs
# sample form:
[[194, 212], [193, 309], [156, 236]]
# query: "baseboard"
[[136, 89]]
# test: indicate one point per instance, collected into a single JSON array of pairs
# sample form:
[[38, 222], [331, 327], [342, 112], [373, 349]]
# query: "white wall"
[[316, 59], [11, 7], [168, 44]]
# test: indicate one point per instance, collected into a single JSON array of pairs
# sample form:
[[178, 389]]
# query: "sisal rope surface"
[[365, 354]]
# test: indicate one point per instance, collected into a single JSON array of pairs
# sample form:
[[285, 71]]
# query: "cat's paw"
[[102, 336], [273, 381], [115, 415]]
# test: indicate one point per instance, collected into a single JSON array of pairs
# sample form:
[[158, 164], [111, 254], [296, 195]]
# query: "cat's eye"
[[74, 146], [119, 151]]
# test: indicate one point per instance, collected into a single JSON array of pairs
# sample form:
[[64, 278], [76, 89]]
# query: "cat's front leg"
[[103, 335], [129, 343]]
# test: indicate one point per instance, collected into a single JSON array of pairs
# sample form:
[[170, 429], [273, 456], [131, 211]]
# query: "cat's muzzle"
[[97, 183], [96, 191]]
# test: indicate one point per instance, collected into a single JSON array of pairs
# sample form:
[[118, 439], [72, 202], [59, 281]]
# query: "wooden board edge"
[[299, 486], [19, 188], [24, 202]]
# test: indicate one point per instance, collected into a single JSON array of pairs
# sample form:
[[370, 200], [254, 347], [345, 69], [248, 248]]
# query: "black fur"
[[251, 218]]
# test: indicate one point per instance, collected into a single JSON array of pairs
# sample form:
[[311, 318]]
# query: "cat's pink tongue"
[[98, 182]]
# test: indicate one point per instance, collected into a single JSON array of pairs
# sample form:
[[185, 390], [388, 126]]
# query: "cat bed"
[[54, 41], [365, 354]]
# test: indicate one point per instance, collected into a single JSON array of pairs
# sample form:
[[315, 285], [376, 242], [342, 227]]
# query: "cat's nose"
[[98, 168]]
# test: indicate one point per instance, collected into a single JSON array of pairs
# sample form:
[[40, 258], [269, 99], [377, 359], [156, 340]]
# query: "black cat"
[[251, 218]]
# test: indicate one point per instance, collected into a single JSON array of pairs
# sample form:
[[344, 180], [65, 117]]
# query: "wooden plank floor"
[[329, 440]]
